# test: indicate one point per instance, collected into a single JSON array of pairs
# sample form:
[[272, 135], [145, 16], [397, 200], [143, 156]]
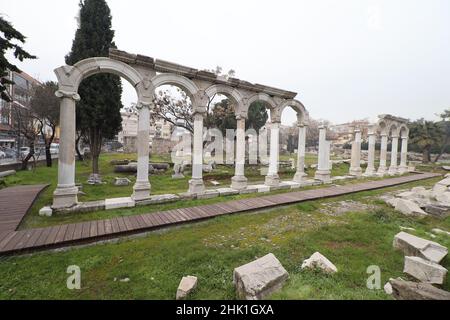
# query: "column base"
[[402, 169], [141, 191], [370, 171], [299, 177], [381, 171], [323, 175], [196, 186], [272, 180], [393, 171], [357, 172], [239, 182], [65, 197]]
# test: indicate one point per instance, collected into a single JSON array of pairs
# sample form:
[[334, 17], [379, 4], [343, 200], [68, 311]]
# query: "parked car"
[[54, 148], [10, 153], [24, 151]]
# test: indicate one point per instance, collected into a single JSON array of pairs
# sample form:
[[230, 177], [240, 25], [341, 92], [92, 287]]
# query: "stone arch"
[[182, 82], [382, 127], [403, 131], [302, 114], [270, 103], [393, 129], [230, 93], [70, 77]]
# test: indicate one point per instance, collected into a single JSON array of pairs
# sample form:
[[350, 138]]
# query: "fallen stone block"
[[317, 260], [392, 202], [443, 197], [409, 208], [121, 181], [408, 290], [440, 231], [46, 212], [437, 210], [186, 286], [6, 173], [388, 288], [260, 278], [424, 270], [411, 245]]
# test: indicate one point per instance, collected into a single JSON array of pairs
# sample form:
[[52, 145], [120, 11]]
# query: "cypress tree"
[[98, 111]]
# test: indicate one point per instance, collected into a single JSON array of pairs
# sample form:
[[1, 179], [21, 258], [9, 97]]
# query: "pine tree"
[[98, 112], [8, 38]]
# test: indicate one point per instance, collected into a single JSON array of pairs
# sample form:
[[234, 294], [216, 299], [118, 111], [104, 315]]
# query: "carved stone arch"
[[403, 131], [302, 114], [382, 127], [230, 93], [393, 129], [263, 97], [184, 83], [70, 77]]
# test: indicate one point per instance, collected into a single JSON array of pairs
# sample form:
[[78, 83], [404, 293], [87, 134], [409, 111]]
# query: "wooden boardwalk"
[[13, 241], [15, 203]]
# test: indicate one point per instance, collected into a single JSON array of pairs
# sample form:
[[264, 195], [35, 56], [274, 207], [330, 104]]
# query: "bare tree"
[[45, 107]]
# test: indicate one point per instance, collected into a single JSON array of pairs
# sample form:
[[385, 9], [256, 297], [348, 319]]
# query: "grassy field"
[[352, 239], [162, 183]]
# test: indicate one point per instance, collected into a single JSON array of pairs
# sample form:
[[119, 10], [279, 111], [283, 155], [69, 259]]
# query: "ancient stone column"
[[300, 174], [370, 170], [403, 156], [383, 154], [272, 178], [141, 189], [393, 169], [239, 181], [66, 192], [355, 165], [196, 183], [323, 171]]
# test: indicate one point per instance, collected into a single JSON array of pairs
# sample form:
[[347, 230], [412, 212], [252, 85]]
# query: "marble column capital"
[[301, 124], [140, 105], [68, 94]]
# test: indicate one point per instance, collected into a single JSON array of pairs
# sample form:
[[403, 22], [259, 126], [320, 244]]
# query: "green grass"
[[211, 250], [161, 183]]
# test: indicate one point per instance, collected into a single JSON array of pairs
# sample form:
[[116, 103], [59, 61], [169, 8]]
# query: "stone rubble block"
[[440, 231], [186, 286], [409, 290], [409, 208], [443, 197], [319, 261], [46, 212], [411, 245], [260, 278], [121, 181], [424, 270]]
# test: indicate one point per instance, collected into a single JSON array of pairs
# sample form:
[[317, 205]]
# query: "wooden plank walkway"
[[15, 203], [13, 241]]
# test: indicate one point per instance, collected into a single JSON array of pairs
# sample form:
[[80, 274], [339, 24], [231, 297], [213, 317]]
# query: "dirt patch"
[[342, 207]]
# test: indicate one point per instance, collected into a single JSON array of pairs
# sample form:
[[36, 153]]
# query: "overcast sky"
[[347, 59]]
